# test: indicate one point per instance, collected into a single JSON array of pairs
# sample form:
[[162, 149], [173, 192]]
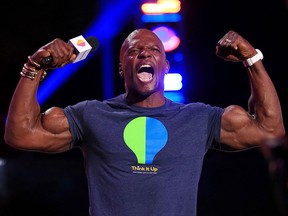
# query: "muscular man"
[[143, 152]]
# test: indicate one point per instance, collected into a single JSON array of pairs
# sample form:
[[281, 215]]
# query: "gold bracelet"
[[29, 68], [43, 75], [38, 66], [31, 73]]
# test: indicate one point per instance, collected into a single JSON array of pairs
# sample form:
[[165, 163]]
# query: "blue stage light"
[[157, 18], [176, 96], [112, 16]]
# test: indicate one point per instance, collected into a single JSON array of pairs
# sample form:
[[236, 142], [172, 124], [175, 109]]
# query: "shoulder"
[[203, 107]]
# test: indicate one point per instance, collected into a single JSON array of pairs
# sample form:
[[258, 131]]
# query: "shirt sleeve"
[[74, 114]]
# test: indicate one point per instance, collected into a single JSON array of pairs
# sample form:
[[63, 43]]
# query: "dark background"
[[234, 184]]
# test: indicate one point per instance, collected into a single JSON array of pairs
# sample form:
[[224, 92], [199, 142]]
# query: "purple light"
[[168, 37]]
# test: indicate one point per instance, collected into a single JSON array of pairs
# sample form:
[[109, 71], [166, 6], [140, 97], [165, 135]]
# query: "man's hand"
[[61, 52], [233, 47]]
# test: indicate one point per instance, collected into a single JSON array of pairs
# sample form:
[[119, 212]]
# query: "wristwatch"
[[250, 61]]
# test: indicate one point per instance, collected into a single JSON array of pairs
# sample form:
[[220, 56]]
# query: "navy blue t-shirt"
[[143, 161]]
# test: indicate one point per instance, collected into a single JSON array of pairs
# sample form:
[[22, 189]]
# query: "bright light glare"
[[150, 18], [168, 37], [2, 162], [162, 6], [173, 82], [172, 44]]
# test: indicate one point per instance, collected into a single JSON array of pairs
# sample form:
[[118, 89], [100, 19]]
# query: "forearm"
[[24, 111], [264, 100]]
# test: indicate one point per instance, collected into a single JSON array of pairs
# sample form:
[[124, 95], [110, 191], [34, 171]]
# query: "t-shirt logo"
[[145, 136]]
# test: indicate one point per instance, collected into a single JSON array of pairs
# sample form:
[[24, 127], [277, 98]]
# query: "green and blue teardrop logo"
[[145, 136]]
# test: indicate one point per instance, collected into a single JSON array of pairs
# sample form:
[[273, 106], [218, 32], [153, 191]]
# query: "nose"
[[144, 53]]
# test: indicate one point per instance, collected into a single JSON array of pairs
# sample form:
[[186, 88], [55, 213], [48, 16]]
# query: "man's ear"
[[167, 68], [120, 70]]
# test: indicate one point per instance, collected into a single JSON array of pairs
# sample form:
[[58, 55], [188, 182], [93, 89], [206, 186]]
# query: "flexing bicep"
[[55, 130], [46, 132], [55, 121], [239, 129]]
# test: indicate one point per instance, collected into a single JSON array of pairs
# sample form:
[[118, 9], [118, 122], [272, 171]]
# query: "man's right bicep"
[[56, 131], [55, 121]]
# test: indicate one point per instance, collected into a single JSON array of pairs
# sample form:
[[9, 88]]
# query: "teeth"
[[146, 65]]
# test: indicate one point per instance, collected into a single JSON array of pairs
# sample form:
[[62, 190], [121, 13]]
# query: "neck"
[[156, 99]]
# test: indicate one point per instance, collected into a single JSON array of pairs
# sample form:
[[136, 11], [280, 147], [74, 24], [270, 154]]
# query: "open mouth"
[[145, 73]]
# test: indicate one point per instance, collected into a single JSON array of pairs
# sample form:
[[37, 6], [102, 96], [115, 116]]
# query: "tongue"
[[144, 76]]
